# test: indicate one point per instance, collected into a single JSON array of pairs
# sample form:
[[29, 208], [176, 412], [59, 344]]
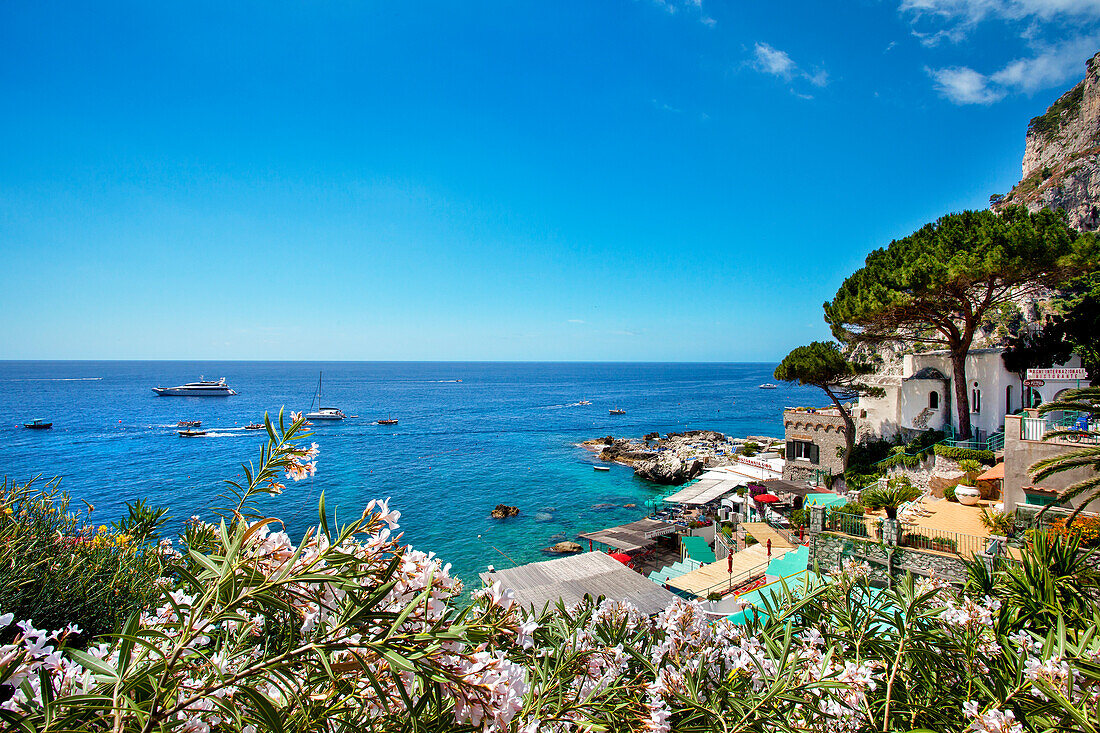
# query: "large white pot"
[[967, 495]]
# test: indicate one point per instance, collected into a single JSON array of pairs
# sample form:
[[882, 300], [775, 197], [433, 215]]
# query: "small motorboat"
[[189, 433], [38, 424], [189, 423], [387, 421], [616, 411], [584, 402], [255, 426], [601, 468], [769, 385]]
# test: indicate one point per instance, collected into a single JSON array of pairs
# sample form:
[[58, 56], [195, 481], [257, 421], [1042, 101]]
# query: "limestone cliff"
[[1061, 168]]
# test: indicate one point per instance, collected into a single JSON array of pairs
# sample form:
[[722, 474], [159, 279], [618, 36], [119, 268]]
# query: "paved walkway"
[[763, 532], [747, 564]]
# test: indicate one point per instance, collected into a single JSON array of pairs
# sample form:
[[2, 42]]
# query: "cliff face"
[[1061, 168]]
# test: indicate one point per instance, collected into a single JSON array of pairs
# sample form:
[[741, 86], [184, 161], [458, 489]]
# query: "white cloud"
[[1050, 66], [963, 85], [974, 11], [773, 61], [770, 60], [695, 6], [576, 320]]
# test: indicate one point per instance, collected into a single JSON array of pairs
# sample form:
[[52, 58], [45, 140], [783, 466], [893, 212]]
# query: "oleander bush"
[[349, 629]]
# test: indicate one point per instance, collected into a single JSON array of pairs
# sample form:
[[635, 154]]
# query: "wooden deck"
[[763, 532], [747, 564]]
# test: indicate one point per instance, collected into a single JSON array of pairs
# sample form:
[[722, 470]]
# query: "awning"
[[997, 473], [704, 491], [631, 537]]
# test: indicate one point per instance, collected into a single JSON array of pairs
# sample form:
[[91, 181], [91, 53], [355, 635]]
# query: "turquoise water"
[[470, 436]]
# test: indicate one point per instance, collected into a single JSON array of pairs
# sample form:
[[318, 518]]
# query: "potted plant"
[[967, 491]]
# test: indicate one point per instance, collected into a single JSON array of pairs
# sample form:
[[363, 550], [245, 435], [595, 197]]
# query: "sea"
[[470, 436]]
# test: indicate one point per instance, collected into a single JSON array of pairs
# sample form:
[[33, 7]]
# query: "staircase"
[[675, 570]]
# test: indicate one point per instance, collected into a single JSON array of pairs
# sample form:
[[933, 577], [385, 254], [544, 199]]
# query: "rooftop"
[[570, 579]]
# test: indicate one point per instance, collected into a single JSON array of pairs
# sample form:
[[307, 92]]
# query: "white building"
[[922, 395]]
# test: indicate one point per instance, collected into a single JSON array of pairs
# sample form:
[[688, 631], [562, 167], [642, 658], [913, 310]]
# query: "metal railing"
[[850, 524], [1083, 431], [917, 537], [787, 533], [735, 580]]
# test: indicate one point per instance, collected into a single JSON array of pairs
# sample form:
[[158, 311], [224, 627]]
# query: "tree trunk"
[[962, 399], [849, 426]]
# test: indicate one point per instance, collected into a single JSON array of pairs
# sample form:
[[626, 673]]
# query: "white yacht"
[[201, 388], [323, 413]]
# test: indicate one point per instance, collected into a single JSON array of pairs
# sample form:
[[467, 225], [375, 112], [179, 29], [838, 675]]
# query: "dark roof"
[[572, 578], [929, 373], [634, 536]]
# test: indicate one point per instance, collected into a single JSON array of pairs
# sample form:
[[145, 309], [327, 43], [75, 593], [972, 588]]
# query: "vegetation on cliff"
[[1066, 107]]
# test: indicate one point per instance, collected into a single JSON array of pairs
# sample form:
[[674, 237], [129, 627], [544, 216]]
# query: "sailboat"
[[323, 413]]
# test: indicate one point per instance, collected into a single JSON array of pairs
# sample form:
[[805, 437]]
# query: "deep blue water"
[[506, 432]]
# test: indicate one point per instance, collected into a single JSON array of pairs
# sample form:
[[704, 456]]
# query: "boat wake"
[[54, 379], [222, 435]]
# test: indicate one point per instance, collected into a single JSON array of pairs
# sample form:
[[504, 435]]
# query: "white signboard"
[[1057, 374]]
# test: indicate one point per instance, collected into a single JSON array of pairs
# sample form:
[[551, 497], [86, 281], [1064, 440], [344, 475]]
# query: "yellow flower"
[[103, 528]]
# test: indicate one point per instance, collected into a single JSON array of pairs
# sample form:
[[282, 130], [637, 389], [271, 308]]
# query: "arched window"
[[975, 399], [934, 400], [1008, 400], [1032, 398]]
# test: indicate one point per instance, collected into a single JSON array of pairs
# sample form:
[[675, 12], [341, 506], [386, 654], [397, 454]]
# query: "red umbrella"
[[767, 498], [624, 559]]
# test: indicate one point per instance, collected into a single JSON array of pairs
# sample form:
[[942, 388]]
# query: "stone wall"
[[826, 430], [828, 549]]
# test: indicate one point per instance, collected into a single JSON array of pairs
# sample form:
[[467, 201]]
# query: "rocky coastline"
[[677, 457]]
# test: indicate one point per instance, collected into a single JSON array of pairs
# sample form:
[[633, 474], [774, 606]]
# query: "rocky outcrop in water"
[[565, 548], [1061, 167], [503, 511], [669, 468]]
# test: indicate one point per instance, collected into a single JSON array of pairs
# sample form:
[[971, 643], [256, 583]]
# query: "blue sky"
[[630, 179]]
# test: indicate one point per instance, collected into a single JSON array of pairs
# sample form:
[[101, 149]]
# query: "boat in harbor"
[[769, 385], [255, 426], [584, 402], [601, 468], [189, 433], [189, 423], [323, 413], [387, 421], [616, 411], [201, 388], [38, 424]]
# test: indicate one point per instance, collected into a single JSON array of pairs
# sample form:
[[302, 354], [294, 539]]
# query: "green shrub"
[[800, 518], [962, 454], [949, 493], [57, 569], [750, 449], [898, 491]]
